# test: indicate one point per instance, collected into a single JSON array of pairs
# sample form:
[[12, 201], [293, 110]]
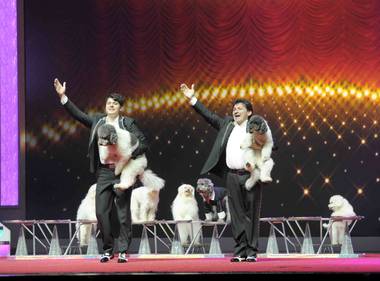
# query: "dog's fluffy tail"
[[150, 179]]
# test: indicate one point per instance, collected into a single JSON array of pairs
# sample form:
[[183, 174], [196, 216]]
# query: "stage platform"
[[186, 264]]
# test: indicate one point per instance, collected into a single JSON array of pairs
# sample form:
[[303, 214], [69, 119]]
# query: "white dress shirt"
[[234, 154]]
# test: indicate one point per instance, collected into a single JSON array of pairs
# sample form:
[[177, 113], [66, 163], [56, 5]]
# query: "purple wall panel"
[[9, 103]]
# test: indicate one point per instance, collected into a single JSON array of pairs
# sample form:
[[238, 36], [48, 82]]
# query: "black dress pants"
[[245, 207], [106, 198]]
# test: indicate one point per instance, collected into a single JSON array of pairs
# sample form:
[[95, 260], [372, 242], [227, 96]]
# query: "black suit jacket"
[[216, 161], [93, 123]]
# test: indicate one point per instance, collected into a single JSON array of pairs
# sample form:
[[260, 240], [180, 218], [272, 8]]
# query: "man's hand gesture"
[[59, 88], [189, 93]]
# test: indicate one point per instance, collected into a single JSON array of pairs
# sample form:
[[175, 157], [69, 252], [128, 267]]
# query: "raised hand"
[[189, 93], [59, 88]]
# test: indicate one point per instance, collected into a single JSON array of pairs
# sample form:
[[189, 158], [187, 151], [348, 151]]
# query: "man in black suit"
[[226, 160], [106, 195]]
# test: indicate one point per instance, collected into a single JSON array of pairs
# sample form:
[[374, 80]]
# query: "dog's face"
[[205, 187], [337, 202], [107, 135], [256, 123], [186, 190]]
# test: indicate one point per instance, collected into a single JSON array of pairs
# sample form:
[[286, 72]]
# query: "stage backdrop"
[[311, 68]]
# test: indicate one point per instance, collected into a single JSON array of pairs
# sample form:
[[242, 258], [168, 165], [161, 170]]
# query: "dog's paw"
[[250, 183], [198, 244], [248, 187], [120, 186], [150, 218], [266, 179]]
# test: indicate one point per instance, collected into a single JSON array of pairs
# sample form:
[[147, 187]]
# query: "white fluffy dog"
[[341, 208], [257, 146], [86, 211], [144, 202], [185, 207], [120, 145]]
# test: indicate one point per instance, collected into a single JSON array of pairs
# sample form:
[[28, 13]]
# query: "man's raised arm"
[[71, 107], [209, 116]]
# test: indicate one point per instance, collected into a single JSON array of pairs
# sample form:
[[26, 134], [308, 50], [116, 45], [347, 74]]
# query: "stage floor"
[[84, 265]]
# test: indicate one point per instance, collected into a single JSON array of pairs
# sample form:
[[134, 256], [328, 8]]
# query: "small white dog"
[[119, 145], [257, 146], [185, 207], [144, 202], [341, 208], [86, 211]]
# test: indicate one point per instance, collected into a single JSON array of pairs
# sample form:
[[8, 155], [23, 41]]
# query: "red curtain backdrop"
[[148, 45]]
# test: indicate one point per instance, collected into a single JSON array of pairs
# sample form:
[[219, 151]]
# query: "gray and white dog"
[[257, 146], [118, 145], [215, 200]]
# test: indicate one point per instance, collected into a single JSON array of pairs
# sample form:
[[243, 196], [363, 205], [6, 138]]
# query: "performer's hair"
[[117, 97], [247, 104]]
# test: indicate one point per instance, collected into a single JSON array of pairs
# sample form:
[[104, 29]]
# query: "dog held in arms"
[[340, 207], [120, 145], [257, 146], [185, 207]]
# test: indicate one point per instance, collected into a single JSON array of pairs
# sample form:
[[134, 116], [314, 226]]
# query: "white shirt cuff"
[[193, 101], [64, 99]]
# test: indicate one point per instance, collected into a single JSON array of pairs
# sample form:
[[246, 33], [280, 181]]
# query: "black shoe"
[[122, 258], [106, 257], [238, 259], [251, 258]]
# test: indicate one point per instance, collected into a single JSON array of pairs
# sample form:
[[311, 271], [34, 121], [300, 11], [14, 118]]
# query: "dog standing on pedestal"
[[185, 207], [341, 208], [86, 211], [144, 203], [215, 201]]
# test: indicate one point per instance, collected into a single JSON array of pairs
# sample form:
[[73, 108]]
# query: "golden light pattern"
[[311, 92], [300, 112]]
